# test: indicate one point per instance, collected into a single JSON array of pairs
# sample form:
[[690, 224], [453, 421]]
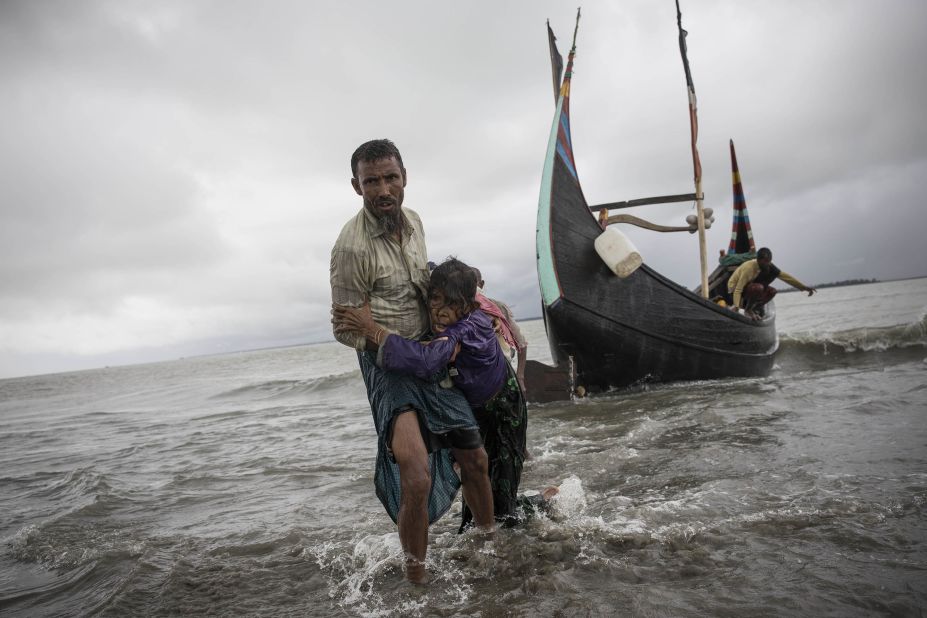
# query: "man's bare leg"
[[474, 479], [415, 478]]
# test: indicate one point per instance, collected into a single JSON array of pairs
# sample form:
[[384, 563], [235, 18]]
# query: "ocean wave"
[[877, 339], [71, 533], [49, 586], [273, 389], [81, 533], [58, 544], [75, 485]]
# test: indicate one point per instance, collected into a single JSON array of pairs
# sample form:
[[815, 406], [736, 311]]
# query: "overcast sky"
[[173, 174]]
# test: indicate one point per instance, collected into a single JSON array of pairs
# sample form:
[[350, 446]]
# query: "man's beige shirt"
[[747, 272], [368, 263]]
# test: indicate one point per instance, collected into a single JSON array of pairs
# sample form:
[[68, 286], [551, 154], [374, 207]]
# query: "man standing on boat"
[[422, 428], [750, 283]]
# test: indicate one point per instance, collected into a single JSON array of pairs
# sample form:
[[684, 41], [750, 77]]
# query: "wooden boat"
[[607, 332]]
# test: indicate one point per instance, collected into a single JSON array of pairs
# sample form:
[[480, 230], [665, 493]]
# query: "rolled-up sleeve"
[[348, 276]]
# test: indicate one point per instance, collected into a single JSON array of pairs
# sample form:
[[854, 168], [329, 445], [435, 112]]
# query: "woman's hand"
[[357, 319]]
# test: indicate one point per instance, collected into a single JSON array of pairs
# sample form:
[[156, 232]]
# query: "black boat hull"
[[608, 332], [645, 327], [609, 354]]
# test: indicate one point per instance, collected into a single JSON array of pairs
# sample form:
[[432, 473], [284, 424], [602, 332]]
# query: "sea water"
[[242, 484]]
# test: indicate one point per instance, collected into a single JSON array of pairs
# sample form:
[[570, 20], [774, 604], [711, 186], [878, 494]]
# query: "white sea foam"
[[570, 501]]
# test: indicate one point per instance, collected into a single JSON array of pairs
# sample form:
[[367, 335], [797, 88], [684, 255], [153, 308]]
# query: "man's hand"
[[811, 291]]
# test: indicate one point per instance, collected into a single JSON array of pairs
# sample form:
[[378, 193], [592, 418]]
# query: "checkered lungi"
[[439, 409]]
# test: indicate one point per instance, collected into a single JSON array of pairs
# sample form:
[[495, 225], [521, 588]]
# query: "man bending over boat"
[[422, 429], [750, 284]]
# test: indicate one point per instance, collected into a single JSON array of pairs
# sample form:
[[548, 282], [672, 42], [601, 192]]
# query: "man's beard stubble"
[[394, 221]]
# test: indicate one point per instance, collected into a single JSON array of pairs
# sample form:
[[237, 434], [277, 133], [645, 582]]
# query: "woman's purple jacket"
[[481, 366]]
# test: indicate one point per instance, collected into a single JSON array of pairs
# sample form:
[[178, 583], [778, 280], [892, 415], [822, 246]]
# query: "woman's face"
[[442, 314]]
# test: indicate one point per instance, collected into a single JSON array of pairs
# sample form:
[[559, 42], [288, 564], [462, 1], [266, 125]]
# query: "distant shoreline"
[[851, 282], [836, 284]]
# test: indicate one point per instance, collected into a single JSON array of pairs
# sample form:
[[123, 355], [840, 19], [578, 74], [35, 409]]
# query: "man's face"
[[381, 183], [764, 263]]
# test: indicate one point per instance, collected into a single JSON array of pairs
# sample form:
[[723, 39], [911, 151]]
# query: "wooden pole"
[[702, 245], [647, 225], [696, 163], [664, 199]]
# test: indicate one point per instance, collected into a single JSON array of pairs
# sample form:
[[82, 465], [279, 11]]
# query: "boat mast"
[[696, 162], [568, 76]]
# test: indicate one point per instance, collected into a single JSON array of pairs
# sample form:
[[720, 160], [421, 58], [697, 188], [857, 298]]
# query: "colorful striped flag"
[[741, 234]]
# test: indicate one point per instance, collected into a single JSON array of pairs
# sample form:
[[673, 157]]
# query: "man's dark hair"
[[457, 281], [764, 254], [374, 150]]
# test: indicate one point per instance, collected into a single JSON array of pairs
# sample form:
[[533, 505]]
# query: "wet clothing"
[[520, 342], [442, 412], [489, 384], [366, 263], [492, 308], [509, 336], [480, 366], [529, 505], [750, 272], [504, 427]]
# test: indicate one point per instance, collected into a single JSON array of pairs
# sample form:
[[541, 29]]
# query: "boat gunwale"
[[727, 351]]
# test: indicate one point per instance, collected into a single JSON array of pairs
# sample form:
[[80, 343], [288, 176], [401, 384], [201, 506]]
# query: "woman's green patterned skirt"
[[503, 424]]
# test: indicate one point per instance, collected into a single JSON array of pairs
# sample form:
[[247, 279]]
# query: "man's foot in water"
[[416, 573], [549, 493]]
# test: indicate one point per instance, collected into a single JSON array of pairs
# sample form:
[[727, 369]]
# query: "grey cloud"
[[178, 172]]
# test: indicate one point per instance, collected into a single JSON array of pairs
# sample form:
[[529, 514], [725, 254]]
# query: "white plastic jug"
[[618, 252]]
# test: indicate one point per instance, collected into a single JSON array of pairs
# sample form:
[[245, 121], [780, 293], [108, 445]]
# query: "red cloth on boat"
[[490, 308]]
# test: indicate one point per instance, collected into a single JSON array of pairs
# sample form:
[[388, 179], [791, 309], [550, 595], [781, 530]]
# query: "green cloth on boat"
[[736, 259]]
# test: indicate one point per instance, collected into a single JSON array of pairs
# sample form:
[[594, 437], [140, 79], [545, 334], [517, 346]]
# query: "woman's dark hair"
[[457, 281]]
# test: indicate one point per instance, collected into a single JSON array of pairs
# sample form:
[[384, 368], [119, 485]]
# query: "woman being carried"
[[465, 347]]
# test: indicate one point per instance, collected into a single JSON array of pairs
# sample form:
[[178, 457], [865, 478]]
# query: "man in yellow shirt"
[[750, 283]]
